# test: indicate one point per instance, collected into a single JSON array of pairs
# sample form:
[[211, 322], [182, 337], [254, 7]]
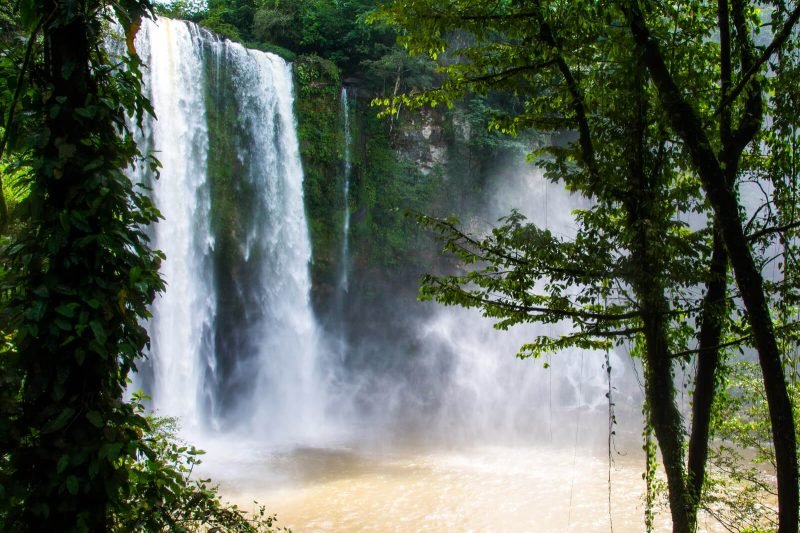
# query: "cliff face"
[[421, 139], [397, 164], [432, 161]]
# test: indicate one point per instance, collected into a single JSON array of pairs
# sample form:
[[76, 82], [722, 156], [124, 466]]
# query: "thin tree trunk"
[[708, 359], [714, 303]]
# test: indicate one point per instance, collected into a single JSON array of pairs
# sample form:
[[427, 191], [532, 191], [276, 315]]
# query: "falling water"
[[181, 329], [235, 345], [348, 168], [233, 338]]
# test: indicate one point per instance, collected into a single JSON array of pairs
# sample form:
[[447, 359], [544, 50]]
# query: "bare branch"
[[508, 73], [773, 229]]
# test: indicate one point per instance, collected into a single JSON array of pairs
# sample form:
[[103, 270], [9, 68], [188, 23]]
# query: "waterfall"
[[181, 329], [348, 168], [236, 348], [234, 340]]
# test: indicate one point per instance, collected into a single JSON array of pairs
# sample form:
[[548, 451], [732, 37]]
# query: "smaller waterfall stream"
[[348, 169]]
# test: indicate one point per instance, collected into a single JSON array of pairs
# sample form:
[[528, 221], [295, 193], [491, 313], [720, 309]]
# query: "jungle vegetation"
[[672, 113]]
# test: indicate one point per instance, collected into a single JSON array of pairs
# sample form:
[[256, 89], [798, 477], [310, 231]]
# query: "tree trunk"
[[67, 488], [648, 284], [708, 359]]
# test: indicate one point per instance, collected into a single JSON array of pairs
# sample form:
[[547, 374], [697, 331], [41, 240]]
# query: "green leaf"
[[99, 331], [63, 463], [87, 112], [59, 422], [63, 324], [95, 418], [66, 151], [72, 485], [67, 310], [37, 309]]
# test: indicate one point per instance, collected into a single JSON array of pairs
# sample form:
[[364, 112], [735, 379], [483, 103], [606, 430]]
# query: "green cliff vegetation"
[[319, 130], [384, 185]]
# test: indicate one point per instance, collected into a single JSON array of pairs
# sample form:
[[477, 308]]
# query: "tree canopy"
[[667, 105]]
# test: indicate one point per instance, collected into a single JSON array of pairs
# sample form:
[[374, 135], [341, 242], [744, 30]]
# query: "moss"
[[231, 196], [320, 134], [385, 245]]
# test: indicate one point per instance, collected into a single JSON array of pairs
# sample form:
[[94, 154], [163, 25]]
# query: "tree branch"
[[498, 76], [560, 313], [773, 47], [753, 111], [735, 342], [485, 253], [578, 104], [774, 229]]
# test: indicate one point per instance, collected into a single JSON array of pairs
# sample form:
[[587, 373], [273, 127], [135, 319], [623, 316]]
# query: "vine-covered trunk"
[[664, 415], [50, 390], [648, 284], [85, 277]]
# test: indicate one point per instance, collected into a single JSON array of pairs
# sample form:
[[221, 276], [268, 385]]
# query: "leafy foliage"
[[639, 88], [319, 130], [162, 495], [332, 30], [741, 492]]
